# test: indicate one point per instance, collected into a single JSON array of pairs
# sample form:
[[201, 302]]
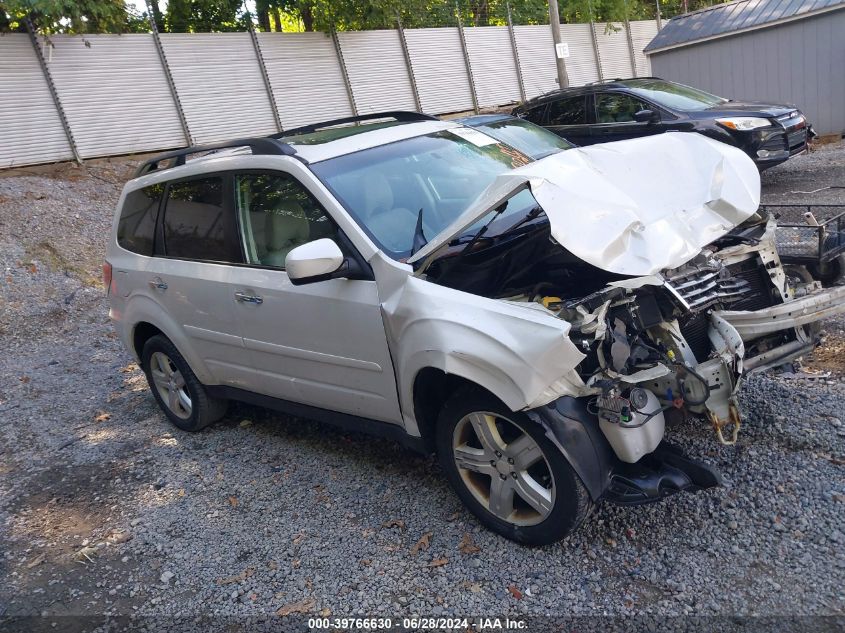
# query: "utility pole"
[[554, 19]]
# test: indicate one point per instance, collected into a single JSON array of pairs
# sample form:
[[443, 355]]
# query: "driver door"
[[321, 344]]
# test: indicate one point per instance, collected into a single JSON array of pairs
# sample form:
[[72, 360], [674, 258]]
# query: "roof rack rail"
[[263, 145], [398, 115], [610, 81]]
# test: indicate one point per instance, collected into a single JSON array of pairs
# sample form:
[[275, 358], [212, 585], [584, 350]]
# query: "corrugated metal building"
[[782, 51]]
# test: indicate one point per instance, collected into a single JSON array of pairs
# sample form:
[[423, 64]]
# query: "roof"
[[726, 19], [381, 135], [595, 86], [306, 144]]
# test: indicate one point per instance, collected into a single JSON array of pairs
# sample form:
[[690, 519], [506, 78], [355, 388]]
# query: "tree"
[[70, 16], [204, 16]]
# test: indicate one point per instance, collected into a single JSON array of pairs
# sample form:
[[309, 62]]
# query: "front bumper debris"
[[792, 314], [664, 472]]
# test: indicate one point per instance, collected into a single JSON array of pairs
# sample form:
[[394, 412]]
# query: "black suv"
[[627, 108]]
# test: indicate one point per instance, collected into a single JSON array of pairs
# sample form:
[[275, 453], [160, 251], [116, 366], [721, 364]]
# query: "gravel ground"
[[107, 509]]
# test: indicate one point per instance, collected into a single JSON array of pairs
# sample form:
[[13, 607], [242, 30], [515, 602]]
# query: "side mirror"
[[646, 116], [315, 261]]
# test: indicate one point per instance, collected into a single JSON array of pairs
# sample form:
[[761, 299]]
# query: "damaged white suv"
[[533, 321]]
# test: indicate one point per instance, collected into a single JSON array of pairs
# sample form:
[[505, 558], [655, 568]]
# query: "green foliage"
[[203, 16], [114, 16], [69, 16]]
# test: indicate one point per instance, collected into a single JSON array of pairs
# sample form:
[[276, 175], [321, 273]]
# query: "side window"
[[536, 115], [617, 108], [136, 227], [277, 214], [568, 111], [196, 225]]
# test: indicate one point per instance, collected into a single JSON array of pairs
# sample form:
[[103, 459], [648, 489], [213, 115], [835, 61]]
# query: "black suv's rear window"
[[136, 227]]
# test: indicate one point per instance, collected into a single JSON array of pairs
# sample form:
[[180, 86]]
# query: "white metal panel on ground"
[[30, 128], [581, 63], [114, 94], [220, 85], [493, 65], [306, 77], [642, 32], [377, 70], [440, 69], [537, 59], [613, 50]]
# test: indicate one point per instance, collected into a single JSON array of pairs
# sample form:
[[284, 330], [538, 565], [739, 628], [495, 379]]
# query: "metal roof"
[[741, 15]]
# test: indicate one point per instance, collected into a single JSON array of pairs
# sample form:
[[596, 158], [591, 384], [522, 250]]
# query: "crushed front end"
[[682, 340]]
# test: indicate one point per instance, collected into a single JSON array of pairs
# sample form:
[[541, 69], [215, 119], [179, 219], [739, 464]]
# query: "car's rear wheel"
[[507, 472], [178, 391]]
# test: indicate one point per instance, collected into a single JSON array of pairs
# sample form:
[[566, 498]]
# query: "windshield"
[[384, 188], [528, 138], [675, 96]]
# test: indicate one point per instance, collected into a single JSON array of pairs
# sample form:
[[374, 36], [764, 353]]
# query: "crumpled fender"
[[522, 355]]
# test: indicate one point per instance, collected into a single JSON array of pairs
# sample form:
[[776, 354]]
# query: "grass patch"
[[54, 260]]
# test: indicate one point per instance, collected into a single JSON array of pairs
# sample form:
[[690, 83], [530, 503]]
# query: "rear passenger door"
[[570, 118], [321, 344], [196, 243]]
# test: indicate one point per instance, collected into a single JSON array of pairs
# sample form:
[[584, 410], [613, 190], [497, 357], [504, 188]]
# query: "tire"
[[831, 272], [556, 502], [178, 391]]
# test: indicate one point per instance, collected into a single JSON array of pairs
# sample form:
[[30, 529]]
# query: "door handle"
[[158, 284], [245, 298]]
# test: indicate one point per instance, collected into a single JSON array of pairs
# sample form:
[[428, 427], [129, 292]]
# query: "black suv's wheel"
[[179, 393], [507, 472]]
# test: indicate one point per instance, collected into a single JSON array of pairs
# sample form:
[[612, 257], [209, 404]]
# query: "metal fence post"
[[263, 67], [189, 139], [631, 48], [410, 66], [516, 54], [30, 29], [596, 49], [468, 64], [344, 72]]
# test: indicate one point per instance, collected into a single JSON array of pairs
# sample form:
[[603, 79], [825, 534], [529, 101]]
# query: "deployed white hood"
[[631, 207]]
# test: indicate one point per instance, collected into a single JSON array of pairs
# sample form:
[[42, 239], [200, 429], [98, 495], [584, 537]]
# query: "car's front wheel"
[[178, 391], [507, 472]]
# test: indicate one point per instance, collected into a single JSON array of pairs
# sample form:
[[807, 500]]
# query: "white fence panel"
[[30, 128], [493, 65], [536, 58], [117, 100], [306, 77], [440, 70], [613, 51], [114, 94], [581, 63], [377, 70], [642, 32], [220, 85]]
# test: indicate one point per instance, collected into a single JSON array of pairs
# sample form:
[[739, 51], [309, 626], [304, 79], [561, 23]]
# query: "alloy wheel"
[[504, 468], [170, 384]]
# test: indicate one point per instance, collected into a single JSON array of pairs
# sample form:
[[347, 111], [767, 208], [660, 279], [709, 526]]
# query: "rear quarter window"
[[136, 227]]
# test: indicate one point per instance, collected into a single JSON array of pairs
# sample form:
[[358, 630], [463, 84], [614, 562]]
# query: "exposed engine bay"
[[656, 345]]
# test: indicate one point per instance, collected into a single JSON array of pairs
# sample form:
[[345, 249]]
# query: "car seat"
[[285, 228], [392, 226]]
